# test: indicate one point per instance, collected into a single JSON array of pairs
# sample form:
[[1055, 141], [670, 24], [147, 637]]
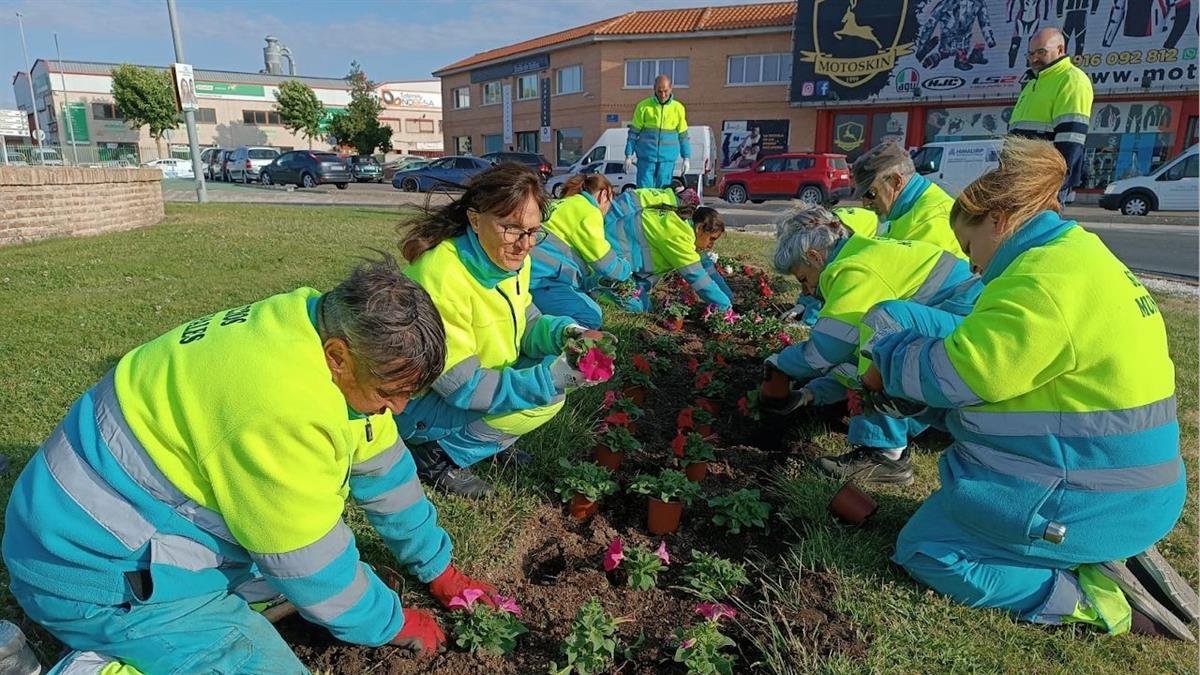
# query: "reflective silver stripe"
[[695, 268], [847, 370], [937, 277], [532, 314], [486, 433], [453, 379], [485, 390], [1065, 596], [380, 464], [327, 610], [1070, 137], [83, 663], [814, 359], [182, 552], [836, 329], [96, 497], [1116, 479], [256, 589], [395, 500], [607, 260], [1027, 125], [953, 387], [132, 457], [564, 249], [881, 324], [1072, 117], [910, 372], [639, 234], [306, 560], [1071, 424]]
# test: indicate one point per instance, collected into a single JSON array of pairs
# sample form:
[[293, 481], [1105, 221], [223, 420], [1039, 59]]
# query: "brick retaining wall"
[[43, 202]]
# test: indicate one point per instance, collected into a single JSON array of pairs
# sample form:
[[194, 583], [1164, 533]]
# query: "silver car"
[[613, 171], [247, 162]]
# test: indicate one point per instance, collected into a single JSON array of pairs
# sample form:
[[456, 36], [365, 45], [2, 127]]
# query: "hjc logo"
[[943, 83]]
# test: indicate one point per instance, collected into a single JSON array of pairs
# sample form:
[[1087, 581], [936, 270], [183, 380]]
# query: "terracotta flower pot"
[[776, 388], [663, 517], [674, 325], [632, 427], [711, 405], [696, 471], [581, 508], [609, 459], [636, 393], [704, 430], [852, 505]]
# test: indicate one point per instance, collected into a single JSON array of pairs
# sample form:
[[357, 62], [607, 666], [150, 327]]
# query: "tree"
[[146, 97], [359, 125], [300, 109]]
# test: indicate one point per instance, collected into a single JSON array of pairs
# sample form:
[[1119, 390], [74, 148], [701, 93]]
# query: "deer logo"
[[851, 27]]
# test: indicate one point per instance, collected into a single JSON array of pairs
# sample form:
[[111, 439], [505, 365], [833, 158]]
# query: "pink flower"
[[784, 338], [466, 599], [708, 311], [507, 604], [661, 552], [595, 365], [715, 611], [730, 316], [637, 293], [652, 355], [614, 555], [610, 397], [687, 644]]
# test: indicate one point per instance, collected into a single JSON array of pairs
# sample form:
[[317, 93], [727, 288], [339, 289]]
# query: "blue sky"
[[394, 40]]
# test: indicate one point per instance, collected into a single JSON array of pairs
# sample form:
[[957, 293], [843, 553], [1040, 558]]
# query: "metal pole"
[[4, 149], [189, 116], [66, 102], [32, 100]]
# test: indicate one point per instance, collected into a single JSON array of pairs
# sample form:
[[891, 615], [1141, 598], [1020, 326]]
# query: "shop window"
[[570, 146], [493, 143], [1127, 140], [527, 141]]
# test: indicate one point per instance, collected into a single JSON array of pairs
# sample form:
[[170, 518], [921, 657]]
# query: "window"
[[642, 73], [491, 92], [760, 69], [570, 146], [527, 141], [493, 143], [928, 160], [206, 116], [106, 111], [527, 87], [462, 97], [774, 165], [418, 126], [569, 79], [800, 163], [465, 163], [1187, 168], [261, 117], [462, 145]]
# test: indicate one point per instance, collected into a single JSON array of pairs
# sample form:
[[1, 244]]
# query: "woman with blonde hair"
[[575, 250], [1060, 395]]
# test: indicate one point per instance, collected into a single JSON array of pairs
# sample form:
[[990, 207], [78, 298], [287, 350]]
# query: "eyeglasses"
[[512, 234], [870, 195]]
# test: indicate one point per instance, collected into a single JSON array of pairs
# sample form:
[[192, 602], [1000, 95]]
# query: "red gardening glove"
[[421, 633], [452, 582]]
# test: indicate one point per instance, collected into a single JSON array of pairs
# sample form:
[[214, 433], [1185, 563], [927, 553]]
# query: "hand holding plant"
[[591, 353]]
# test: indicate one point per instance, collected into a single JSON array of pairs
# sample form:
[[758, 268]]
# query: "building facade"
[[952, 69], [235, 109], [556, 94]]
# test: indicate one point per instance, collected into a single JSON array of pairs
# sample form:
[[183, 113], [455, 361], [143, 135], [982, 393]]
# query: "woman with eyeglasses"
[[505, 374], [662, 231], [574, 250], [1060, 394]]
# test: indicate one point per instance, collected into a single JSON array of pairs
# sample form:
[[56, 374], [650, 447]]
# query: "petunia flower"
[[678, 443], [692, 364], [595, 365], [507, 604], [661, 552], [687, 644], [703, 380], [641, 363], [708, 311], [614, 555], [685, 420], [730, 316], [785, 338], [715, 611], [743, 406], [466, 599], [610, 398], [617, 419]]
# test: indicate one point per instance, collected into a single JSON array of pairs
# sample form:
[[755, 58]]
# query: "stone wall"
[[42, 202]]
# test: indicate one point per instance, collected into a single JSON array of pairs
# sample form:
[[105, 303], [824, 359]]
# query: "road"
[[1162, 243]]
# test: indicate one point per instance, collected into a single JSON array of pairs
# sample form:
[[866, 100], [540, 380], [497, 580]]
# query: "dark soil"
[[555, 564]]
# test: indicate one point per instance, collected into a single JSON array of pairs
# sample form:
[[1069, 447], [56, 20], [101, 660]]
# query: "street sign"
[[14, 123], [39, 135]]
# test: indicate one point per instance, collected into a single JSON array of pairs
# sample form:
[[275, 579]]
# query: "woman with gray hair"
[[850, 274]]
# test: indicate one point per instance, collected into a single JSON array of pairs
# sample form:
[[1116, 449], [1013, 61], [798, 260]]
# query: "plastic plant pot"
[[581, 508], [711, 405], [704, 430], [609, 459], [663, 517], [775, 388], [851, 505], [696, 471]]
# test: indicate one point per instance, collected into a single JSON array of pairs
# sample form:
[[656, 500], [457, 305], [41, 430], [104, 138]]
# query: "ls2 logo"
[[943, 83]]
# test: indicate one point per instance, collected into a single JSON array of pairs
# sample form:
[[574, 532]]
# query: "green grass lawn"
[[72, 307]]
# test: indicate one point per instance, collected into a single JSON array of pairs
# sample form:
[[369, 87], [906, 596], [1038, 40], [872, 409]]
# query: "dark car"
[[365, 168], [445, 173], [530, 159], [307, 168], [817, 178]]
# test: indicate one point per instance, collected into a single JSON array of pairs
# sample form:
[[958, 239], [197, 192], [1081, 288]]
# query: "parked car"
[[208, 157], [45, 156], [245, 162], [220, 167], [442, 173], [365, 168], [403, 163], [817, 178], [613, 171], [611, 146], [172, 168], [1174, 186], [15, 158], [307, 168], [953, 165], [530, 159]]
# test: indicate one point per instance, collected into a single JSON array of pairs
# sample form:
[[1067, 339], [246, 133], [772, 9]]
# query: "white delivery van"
[[611, 146], [954, 165], [1174, 186]]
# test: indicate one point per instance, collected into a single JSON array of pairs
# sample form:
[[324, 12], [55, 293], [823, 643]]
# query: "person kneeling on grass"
[[207, 473], [850, 274], [1060, 394], [505, 372]]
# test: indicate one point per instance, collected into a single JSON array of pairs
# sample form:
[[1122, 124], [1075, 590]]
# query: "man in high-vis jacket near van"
[[658, 136]]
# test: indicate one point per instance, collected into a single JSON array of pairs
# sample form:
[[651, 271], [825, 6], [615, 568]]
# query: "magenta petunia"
[[595, 365], [661, 552], [715, 611], [614, 555], [507, 604], [610, 398], [466, 599]]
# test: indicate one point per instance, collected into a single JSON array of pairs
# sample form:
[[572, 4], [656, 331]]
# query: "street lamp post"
[[66, 102], [189, 116], [32, 101]]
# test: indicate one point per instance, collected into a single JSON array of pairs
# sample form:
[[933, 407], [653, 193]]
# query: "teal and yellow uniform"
[[1056, 106], [658, 136], [215, 462], [1060, 413], [922, 213]]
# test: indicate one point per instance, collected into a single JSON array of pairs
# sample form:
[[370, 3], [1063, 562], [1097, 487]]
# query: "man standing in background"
[[658, 137]]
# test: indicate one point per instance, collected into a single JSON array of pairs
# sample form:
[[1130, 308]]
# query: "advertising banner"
[[745, 141], [860, 51]]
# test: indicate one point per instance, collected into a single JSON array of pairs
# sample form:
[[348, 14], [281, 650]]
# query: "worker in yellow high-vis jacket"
[[208, 472], [658, 137]]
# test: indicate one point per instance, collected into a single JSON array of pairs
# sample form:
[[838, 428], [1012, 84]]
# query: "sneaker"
[[1164, 621], [436, 470], [1165, 584], [868, 465]]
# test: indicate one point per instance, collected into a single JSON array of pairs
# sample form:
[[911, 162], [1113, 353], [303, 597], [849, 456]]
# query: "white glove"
[[629, 164], [796, 400], [565, 376], [793, 315], [687, 165]]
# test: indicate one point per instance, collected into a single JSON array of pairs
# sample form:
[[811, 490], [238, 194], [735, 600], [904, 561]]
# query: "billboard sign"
[[745, 141], [855, 51]]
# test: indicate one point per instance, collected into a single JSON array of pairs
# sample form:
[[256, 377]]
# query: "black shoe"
[[1164, 583], [436, 470], [868, 465], [1155, 619], [514, 455]]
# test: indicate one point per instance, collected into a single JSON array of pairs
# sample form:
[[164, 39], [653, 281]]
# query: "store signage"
[[223, 89], [528, 64], [943, 83]]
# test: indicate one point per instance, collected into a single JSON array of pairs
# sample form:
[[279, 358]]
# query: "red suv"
[[809, 176]]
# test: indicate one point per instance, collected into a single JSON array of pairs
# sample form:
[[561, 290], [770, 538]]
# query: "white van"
[[1174, 186], [954, 165], [611, 146]]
